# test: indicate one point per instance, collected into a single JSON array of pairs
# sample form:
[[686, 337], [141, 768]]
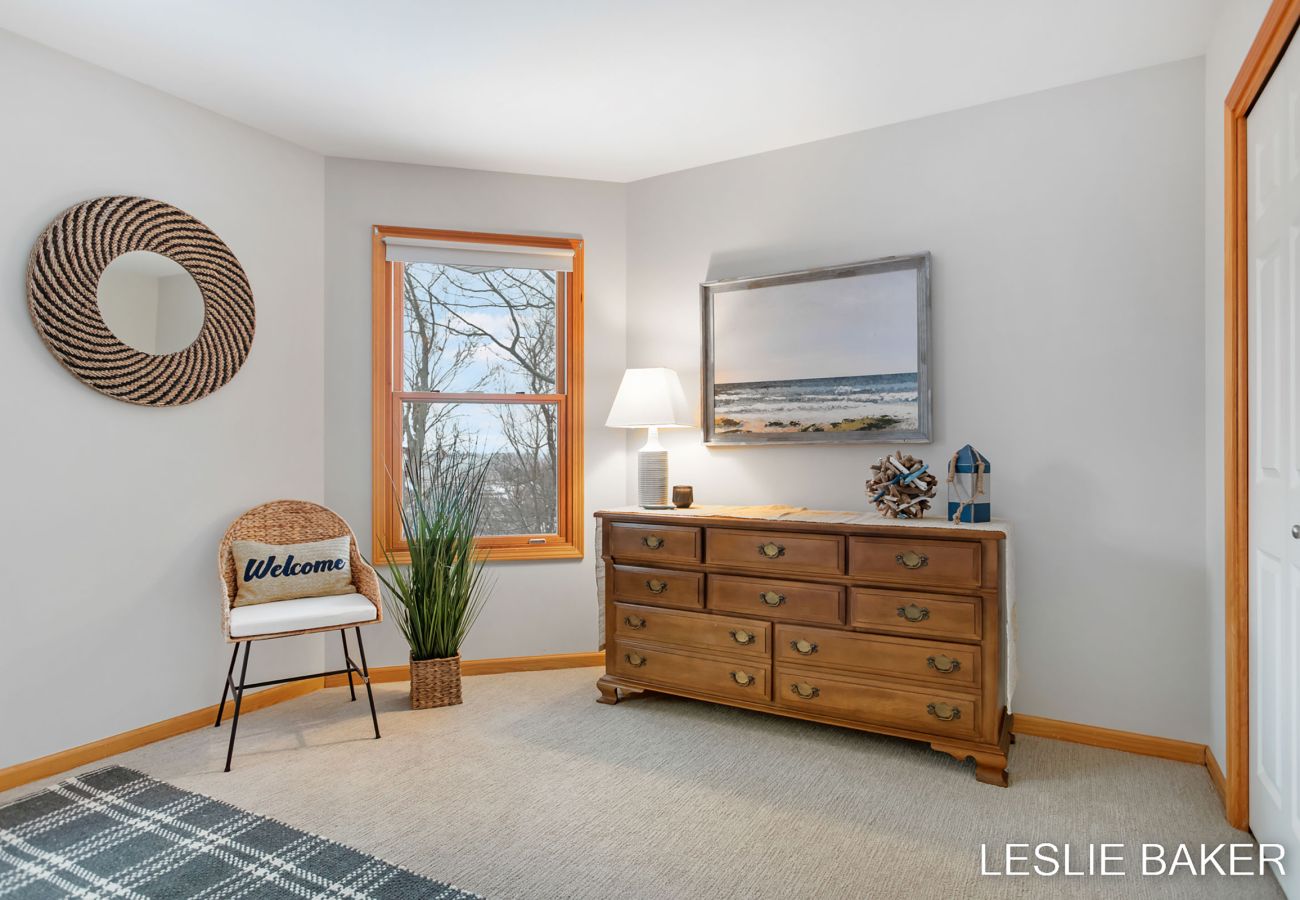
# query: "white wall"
[[109, 616], [536, 607], [1232, 36], [1069, 245], [1067, 233]]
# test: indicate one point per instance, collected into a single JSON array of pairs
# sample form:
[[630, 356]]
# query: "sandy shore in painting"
[[880, 403], [726, 425]]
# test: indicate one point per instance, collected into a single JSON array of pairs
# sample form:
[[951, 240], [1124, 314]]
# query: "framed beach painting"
[[836, 354]]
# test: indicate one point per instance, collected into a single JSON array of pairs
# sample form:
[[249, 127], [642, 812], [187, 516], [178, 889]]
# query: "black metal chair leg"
[[239, 696], [225, 688], [365, 676], [347, 663]]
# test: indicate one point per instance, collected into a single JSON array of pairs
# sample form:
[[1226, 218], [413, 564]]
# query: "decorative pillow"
[[266, 572]]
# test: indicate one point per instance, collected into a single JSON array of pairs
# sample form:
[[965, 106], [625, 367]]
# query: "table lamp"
[[653, 399]]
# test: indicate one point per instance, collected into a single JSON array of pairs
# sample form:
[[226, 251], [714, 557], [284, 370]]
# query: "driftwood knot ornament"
[[901, 486]]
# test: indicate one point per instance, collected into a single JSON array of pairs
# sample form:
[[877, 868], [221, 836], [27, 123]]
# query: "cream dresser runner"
[[899, 626]]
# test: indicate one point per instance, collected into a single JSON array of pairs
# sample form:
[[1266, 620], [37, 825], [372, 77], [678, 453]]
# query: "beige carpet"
[[533, 790]]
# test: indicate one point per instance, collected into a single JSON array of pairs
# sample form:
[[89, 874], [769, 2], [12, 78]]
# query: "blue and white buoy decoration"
[[969, 486]]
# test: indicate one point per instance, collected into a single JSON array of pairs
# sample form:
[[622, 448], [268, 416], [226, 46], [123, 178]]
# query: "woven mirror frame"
[[62, 282]]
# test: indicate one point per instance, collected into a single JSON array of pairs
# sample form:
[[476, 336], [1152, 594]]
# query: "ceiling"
[[615, 90]]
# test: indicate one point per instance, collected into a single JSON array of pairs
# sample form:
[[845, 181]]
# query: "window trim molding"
[[384, 405]]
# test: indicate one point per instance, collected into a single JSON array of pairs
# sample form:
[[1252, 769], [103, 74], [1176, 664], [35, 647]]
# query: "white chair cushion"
[[301, 614]]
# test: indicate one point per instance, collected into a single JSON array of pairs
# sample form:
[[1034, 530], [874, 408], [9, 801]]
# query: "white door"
[[1273, 230]]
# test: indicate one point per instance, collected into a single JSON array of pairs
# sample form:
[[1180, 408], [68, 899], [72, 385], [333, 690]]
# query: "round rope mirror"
[[66, 297]]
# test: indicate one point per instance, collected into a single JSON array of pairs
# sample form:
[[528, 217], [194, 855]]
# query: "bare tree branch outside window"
[[492, 331]]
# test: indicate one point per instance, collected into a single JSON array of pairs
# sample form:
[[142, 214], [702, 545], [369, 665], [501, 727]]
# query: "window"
[[477, 351]]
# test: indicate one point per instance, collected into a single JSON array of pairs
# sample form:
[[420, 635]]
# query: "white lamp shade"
[[649, 398]]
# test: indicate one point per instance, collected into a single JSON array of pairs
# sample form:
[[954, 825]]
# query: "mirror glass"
[[150, 302]]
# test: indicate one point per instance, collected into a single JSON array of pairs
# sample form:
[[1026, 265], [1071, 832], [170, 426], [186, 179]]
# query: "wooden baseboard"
[[533, 663], [378, 675], [45, 766], [35, 769], [1128, 741], [1216, 776], [1111, 739], [385, 674]]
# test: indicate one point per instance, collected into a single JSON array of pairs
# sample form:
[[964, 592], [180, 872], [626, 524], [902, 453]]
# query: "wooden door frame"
[[1270, 43]]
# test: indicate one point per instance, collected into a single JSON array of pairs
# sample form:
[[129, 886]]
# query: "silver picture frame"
[[815, 434]]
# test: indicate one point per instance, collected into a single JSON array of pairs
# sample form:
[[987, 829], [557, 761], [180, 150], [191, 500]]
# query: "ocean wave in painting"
[[881, 403]]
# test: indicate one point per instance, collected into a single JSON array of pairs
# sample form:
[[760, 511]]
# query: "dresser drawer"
[[935, 712], [792, 601], [953, 664], [658, 543], [775, 551], [723, 634], [662, 587], [911, 613], [741, 679], [920, 563]]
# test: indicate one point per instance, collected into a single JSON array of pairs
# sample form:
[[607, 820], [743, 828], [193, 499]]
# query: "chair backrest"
[[290, 522]]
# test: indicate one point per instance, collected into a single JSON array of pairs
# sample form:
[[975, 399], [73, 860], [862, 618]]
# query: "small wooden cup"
[[683, 496]]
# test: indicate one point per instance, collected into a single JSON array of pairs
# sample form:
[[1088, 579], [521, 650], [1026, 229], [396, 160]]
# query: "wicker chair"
[[293, 522]]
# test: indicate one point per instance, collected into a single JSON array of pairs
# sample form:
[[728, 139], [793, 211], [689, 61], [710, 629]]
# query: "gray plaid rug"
[[118, 833]]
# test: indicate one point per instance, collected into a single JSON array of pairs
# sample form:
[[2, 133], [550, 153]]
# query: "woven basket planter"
[[435, 682]]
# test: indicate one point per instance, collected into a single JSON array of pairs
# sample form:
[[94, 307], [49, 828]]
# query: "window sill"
[[500, 554]]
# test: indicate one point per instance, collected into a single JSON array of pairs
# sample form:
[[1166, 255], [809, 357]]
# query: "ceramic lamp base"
[[652, 479]]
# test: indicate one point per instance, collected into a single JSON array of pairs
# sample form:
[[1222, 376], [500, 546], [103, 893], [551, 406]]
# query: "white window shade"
[[477, 256]]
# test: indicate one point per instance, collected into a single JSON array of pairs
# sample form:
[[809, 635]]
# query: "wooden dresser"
[[880, 627]]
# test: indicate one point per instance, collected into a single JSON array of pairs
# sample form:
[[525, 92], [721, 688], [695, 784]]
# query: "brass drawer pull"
[[655, 586], [805, 690], [635, 660], [637, 623], [944, 664], [913, 613], [911, 559], [771, 598], [741, 636], [742, 678], [652, 542], [943, 712], [806, 648], [771, 550]]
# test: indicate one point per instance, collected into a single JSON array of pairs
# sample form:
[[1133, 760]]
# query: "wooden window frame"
[[388, 395]]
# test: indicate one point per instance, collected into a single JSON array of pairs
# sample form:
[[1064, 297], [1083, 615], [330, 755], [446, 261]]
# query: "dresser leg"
[[994, 772], [608, 692], [990, 765]]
